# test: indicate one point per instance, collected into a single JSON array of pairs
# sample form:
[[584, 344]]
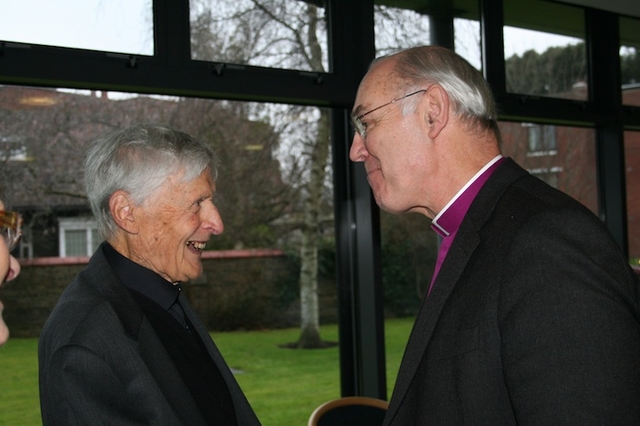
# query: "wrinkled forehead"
[[379, 85]]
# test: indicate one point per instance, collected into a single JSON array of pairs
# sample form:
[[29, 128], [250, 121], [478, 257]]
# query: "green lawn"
[[283, 385]]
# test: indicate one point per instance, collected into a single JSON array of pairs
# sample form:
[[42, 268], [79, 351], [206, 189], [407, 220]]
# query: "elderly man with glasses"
[[532, 316]]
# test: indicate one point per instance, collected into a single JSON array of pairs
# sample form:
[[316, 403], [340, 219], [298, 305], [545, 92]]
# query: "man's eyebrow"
[[356, 112]]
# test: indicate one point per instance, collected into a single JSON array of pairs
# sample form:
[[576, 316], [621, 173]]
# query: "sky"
[[125, 26], [517, 40], [111, 25]]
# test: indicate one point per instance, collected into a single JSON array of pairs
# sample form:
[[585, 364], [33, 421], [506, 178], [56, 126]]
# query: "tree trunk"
[[309, 306]]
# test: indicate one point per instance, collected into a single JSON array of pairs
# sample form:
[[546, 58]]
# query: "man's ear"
[[122, 211], [437, 111]]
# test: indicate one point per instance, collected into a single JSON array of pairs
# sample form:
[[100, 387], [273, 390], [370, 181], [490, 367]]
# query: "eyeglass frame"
[[11, 228], [357, 121]]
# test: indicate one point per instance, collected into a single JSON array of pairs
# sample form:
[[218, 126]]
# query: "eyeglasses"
[[357, 121], [11, 228]]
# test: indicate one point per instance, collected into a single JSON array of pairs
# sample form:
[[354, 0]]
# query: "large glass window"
[[409, 245], [545, 53], [399, 28], [278, 34], [632, 178], [269, 155], [274, 193], [564, 157], [630, 60], [124, 26], [468, 40]]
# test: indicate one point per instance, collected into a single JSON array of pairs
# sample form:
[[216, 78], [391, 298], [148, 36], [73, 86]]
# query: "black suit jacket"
[[101, 362], [533, 319]]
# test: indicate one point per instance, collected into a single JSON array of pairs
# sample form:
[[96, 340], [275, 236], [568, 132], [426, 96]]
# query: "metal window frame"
[[351, 39]]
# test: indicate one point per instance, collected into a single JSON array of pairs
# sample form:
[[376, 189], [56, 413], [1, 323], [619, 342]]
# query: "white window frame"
[[76, 224]]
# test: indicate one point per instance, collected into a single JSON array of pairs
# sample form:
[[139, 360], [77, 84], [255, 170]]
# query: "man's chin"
[[192, 276], [385, 205]]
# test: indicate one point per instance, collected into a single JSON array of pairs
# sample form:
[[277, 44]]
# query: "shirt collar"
[[138, 278], [450, 217]]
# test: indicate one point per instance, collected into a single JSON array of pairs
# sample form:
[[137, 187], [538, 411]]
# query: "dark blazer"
[[101, 362], [533, 319]]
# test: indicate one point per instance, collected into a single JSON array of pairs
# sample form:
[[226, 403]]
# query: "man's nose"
[[212, 220], [357, 153]]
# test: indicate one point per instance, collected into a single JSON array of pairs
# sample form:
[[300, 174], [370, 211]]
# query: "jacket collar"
[[106, 282]]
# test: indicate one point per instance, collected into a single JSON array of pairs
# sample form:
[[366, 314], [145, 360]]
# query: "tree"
[[409, 251], [291, 34], [288, 34], [52, 138], [551, 73]]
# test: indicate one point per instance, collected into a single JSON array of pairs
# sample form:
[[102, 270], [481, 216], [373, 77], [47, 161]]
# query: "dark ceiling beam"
[[74, 68]]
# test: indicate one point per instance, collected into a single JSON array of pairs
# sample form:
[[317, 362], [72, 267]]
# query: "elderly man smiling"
[[123, 346]]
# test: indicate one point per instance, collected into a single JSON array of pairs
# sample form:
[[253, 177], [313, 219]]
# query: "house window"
[[550, 178], [542, 140], [12, 149], [78, 237], [547, 174]]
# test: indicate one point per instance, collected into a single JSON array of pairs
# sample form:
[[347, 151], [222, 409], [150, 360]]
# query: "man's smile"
[[196, 245]]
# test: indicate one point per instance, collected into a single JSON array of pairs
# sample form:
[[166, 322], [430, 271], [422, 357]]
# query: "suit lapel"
[[167, 377], [430, 311], [244, 412]]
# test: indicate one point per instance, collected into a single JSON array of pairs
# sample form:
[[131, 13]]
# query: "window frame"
[[170, 71], [86, 224]]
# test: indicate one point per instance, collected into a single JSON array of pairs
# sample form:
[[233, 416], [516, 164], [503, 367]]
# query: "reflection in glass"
[[564, 157], [630, 60], [545, 55], [632, 179], [273, 187], [124, 26], [276, 33]]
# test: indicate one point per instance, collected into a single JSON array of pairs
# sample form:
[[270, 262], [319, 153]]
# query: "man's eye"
[[198, 203]]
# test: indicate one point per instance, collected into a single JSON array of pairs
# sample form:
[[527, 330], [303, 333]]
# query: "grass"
[[283, 385], [19, 403]]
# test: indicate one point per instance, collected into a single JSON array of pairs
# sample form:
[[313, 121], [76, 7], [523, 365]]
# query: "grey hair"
[[138, 160], [470, 94]]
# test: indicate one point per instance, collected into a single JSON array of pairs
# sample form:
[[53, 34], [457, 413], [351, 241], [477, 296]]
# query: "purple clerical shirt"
[[447, 222]]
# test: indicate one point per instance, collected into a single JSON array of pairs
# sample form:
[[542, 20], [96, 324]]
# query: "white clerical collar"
[[434, 224]]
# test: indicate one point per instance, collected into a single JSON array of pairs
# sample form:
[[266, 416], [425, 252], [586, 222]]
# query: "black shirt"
[[159, 300], [146, 282]]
